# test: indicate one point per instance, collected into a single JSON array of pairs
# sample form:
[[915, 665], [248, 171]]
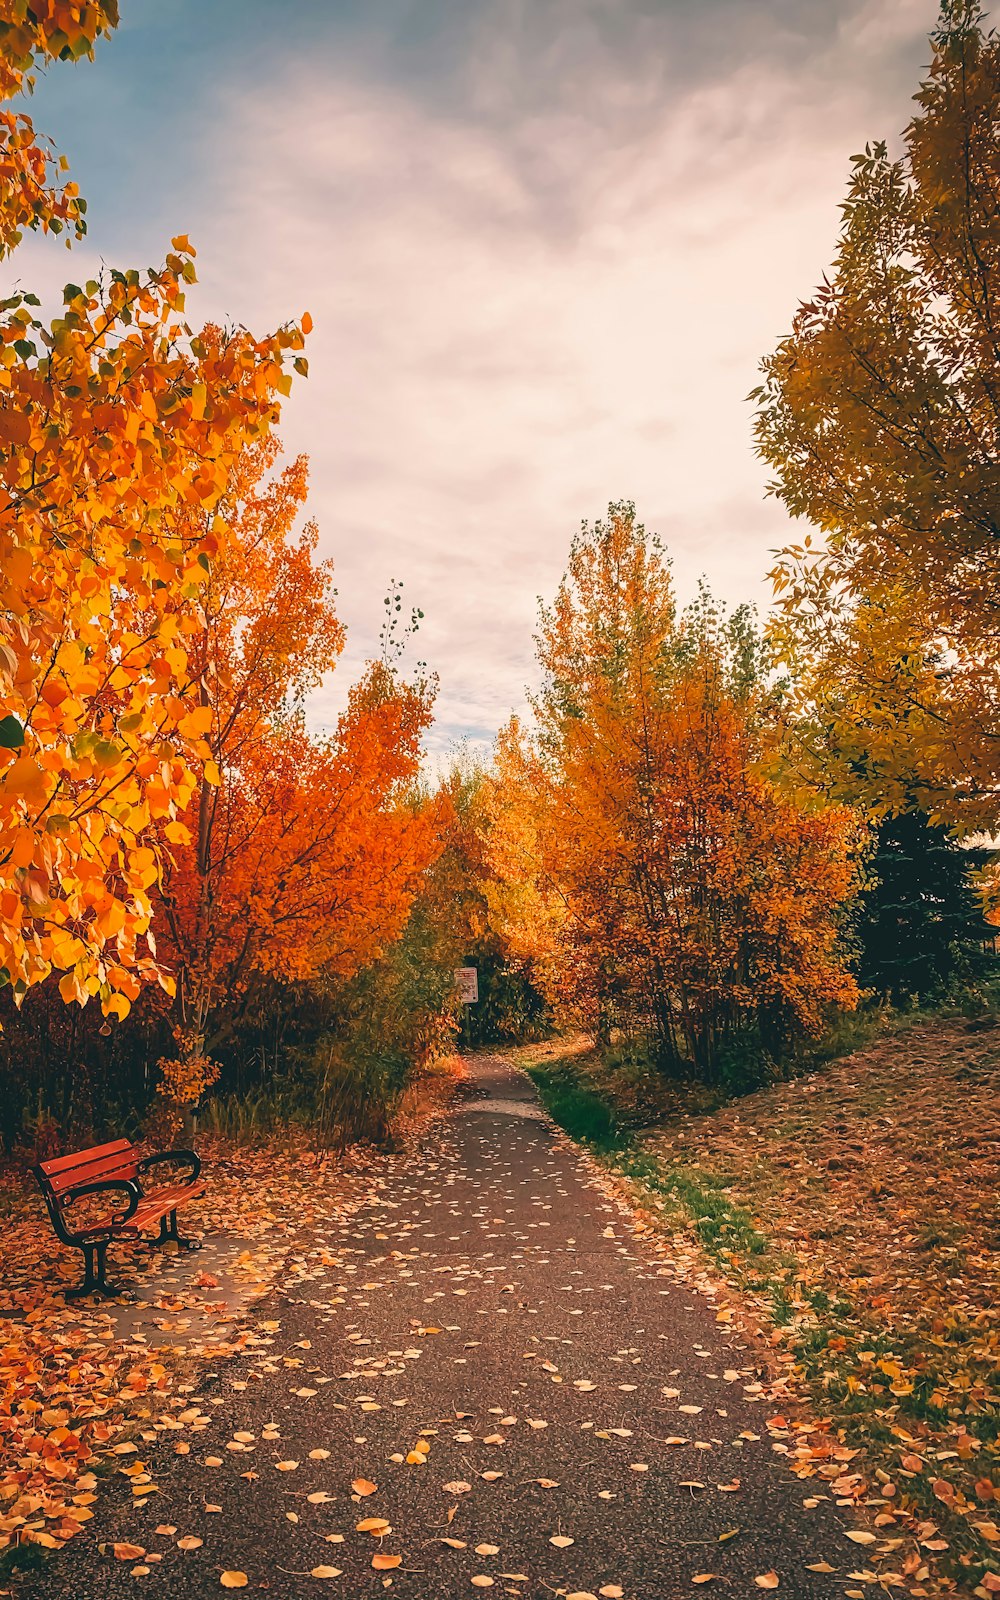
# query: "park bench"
[[104, 1169]]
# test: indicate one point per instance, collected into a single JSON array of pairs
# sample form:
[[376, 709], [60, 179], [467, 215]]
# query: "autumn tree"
[[298, 854], [118, 434], [456, 909], [879, 415], [676, 887]]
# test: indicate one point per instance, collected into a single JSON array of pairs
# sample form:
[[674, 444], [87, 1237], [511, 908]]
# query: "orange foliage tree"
[[116, 427], [670, 884], [297, 854]]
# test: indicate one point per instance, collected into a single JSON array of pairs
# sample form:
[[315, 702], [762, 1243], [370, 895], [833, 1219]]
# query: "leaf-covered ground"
[[79, 1381], [497, 1379], [857, 1207]]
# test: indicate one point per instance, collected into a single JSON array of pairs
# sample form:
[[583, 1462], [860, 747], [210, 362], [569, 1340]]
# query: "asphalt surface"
[[492, 1301]]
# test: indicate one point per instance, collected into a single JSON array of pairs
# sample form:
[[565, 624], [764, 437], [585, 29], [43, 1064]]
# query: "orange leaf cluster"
[[297, 854], [118, 434]]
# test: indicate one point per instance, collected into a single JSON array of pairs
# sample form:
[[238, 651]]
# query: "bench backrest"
[[102, 1164]]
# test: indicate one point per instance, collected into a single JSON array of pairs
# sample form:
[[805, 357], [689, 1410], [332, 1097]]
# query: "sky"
[[544, 244]]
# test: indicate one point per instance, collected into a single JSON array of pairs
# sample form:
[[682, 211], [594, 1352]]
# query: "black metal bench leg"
[[94, 1273], [168, 1234]]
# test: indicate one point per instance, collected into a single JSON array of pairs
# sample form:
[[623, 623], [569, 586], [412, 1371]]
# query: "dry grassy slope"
[[861, 1204]]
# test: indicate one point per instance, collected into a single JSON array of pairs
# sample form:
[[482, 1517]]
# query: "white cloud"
[[542, 293]]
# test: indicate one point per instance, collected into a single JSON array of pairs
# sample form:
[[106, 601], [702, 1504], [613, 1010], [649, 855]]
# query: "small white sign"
[[467, 981]]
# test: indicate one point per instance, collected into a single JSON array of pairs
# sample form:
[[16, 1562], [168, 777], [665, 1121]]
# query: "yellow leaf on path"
[[364, 1486], [561, 1541], [128, 1552], [487, 1549], [374, 1525], [767, 1580], [862, 1538], [386, 1563], [612, 1591], [234, 1580], [285, 1466], [704, 1577], [481, 1581], [819, 1566], [190, 1541], [326, 1572], [458, 1487]]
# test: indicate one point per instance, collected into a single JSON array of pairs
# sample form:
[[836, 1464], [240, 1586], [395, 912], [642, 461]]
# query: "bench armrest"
[[186, 1157], [117, 1219]]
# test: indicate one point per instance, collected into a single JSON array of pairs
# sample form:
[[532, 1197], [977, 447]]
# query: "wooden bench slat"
[[104, 1171], [82, 1157], [155, 1206]]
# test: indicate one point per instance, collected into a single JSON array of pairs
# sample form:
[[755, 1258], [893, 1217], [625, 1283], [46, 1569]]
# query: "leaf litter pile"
[[859, 1208], [85, 1383], [481, 1379]]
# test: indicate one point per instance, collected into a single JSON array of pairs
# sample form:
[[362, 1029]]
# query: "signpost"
[[467, 983]]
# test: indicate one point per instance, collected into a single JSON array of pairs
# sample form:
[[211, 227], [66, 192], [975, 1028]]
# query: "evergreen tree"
[[921, 929]]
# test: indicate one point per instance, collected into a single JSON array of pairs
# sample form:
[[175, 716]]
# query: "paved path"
[[491, 1302]]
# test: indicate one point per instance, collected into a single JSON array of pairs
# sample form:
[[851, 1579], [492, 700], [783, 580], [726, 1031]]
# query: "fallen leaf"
[[375, 1525], [234, 1580]]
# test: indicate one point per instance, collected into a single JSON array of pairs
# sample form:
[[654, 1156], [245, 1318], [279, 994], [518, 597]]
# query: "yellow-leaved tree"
[[880, 415], [116, 425]]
